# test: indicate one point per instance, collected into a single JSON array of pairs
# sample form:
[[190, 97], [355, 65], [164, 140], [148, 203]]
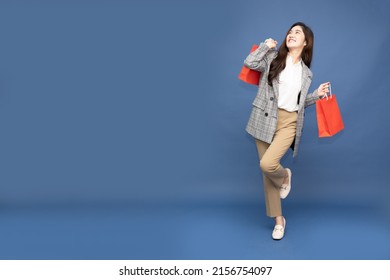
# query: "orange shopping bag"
[[329, 118], [248, 75]]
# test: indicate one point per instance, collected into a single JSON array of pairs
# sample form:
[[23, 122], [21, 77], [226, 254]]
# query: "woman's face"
[[295, 38]]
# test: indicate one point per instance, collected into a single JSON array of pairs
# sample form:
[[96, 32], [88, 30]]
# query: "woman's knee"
[[267, 166]]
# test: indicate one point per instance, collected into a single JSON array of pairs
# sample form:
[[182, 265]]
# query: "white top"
[[290, 83]]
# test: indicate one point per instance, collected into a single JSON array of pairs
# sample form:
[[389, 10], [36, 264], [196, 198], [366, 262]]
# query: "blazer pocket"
[[261, 104]]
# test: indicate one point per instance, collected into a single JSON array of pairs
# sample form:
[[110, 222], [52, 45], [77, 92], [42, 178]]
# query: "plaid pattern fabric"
[[263, 118]]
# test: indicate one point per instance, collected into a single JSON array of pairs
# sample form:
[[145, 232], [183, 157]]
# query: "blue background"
[[123, 132]]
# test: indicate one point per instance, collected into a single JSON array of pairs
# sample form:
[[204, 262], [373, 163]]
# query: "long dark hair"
[[279, 63]]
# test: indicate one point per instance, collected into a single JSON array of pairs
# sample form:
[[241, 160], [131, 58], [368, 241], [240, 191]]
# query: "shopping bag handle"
[[330, 93]]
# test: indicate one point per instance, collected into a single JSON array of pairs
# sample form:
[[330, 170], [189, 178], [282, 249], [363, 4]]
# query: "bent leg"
[[270, 156]]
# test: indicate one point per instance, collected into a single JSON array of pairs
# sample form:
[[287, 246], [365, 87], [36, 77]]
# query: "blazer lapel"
[[306, 81], [275, 86]]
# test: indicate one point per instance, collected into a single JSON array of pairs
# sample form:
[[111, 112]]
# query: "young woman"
[[277, 114]]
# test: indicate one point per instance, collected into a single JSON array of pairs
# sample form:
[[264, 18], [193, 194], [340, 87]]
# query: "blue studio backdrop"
[[134, 107]]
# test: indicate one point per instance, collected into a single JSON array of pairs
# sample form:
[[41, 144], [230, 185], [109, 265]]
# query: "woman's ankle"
[[279, 220]]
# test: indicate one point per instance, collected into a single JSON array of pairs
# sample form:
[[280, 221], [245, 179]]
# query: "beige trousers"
[[270, 156]]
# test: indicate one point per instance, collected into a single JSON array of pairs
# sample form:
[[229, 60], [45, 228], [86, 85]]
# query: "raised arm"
[[259, 59]]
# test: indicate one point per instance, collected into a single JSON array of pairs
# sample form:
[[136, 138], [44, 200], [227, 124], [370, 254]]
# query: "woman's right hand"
[[271, 43]]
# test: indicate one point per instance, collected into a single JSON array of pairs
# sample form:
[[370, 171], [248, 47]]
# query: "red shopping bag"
[[329, 118], [248, 75]]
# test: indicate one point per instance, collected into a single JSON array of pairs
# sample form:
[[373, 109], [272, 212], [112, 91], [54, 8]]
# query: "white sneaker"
[[279, 230], [285, 188]]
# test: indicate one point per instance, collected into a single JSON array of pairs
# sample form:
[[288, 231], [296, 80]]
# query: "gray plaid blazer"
[[264, 116]]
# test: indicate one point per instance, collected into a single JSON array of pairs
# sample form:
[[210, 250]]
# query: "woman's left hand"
[[323, 89]]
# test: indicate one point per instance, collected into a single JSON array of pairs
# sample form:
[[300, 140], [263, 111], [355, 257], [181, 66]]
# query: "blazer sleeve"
[[259, 58], [311, 98]]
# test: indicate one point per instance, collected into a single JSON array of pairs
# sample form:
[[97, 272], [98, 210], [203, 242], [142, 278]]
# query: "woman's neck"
[[296, 55]]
